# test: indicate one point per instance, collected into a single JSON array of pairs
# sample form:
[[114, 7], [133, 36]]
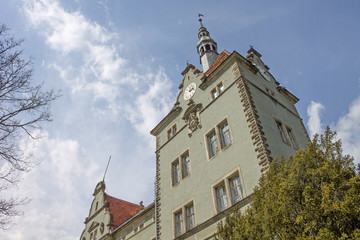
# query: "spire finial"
[[200, 19]]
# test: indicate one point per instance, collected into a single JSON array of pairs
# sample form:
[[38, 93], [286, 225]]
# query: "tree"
[[314, 195], [23, 107]]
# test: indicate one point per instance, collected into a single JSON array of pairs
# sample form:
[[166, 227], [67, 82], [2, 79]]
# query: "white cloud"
[[314, 111], [347, 126], [63, 168], [150, 106], [348, 130]]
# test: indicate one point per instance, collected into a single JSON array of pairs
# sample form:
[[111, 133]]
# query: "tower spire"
[[206, 47]]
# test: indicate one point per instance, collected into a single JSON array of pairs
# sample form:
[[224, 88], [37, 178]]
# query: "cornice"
[[175, 111], [287, 94]]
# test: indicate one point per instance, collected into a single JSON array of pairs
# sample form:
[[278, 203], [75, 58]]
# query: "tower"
[[206, 47], [228, 122]]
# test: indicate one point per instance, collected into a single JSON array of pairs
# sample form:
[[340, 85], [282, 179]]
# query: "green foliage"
[[314, 195]]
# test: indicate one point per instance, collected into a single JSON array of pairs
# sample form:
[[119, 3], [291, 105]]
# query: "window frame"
[[225, 183], [216, 91], [172, 131], [281, 131], [190, 218], [179, 224], [179, 160], [286, 134], [183, 210], [220, 139], [222, 202], [292, 139], [185, 164], [175, 170]]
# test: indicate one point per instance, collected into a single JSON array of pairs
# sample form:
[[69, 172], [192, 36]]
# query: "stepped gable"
[[121, 210], [218, 61]]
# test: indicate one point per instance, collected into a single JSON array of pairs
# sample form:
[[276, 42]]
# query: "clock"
[[189, 91]]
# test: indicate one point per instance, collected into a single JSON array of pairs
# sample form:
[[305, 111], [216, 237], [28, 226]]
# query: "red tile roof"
[[121, 210], [218, 61]]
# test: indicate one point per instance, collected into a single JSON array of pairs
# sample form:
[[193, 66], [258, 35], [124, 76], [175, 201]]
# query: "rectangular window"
[[281, 131], [220, 88], [169, 134], [180, 168], [174, 130], [221, 198], [221, 132], [185, 161], [213, 144], [228, 191], [292, 138], [175, 169], [224, 134], [95, 235], [179, 224], [184, 219], [190, 217], [216, 91], [236, 189], [214, 94], [171, 131]]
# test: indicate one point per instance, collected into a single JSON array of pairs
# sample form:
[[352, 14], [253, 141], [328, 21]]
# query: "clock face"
[[189, 91]]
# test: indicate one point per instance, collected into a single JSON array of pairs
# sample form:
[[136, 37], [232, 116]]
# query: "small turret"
[[206, 48]]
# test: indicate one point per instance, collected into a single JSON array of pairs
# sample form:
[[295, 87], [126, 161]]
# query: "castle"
[[229, 121]]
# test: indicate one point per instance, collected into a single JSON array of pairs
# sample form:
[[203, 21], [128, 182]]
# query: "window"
[[288, 136], [222, 132], [175, 169], [281, 131], [221, 198], [184, 219], [190, 217], [292, 138], [93, 235], [96, 206], [185, 161], [228, 191], [180, 168], [220, 88], [179, 224], [171, 131], [216, 91], [235, 189], [213, 144]]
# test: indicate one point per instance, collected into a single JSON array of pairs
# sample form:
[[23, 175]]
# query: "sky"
[[118, 64]]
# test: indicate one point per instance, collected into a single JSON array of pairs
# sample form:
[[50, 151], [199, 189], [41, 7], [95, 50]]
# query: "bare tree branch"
[[23, 107]]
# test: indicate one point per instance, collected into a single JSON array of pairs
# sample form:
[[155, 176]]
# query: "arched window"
[[207, 47]]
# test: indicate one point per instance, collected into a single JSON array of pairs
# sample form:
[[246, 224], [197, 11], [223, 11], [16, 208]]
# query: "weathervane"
[[200, 19]]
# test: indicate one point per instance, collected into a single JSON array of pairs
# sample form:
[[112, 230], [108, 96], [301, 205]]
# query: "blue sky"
[[118, 65]]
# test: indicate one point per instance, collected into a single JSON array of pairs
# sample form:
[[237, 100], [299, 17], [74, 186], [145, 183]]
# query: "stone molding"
[[256, 130], [158, 197]]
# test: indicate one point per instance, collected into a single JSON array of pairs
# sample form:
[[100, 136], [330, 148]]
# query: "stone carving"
[[192, 117], [193, 121]]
